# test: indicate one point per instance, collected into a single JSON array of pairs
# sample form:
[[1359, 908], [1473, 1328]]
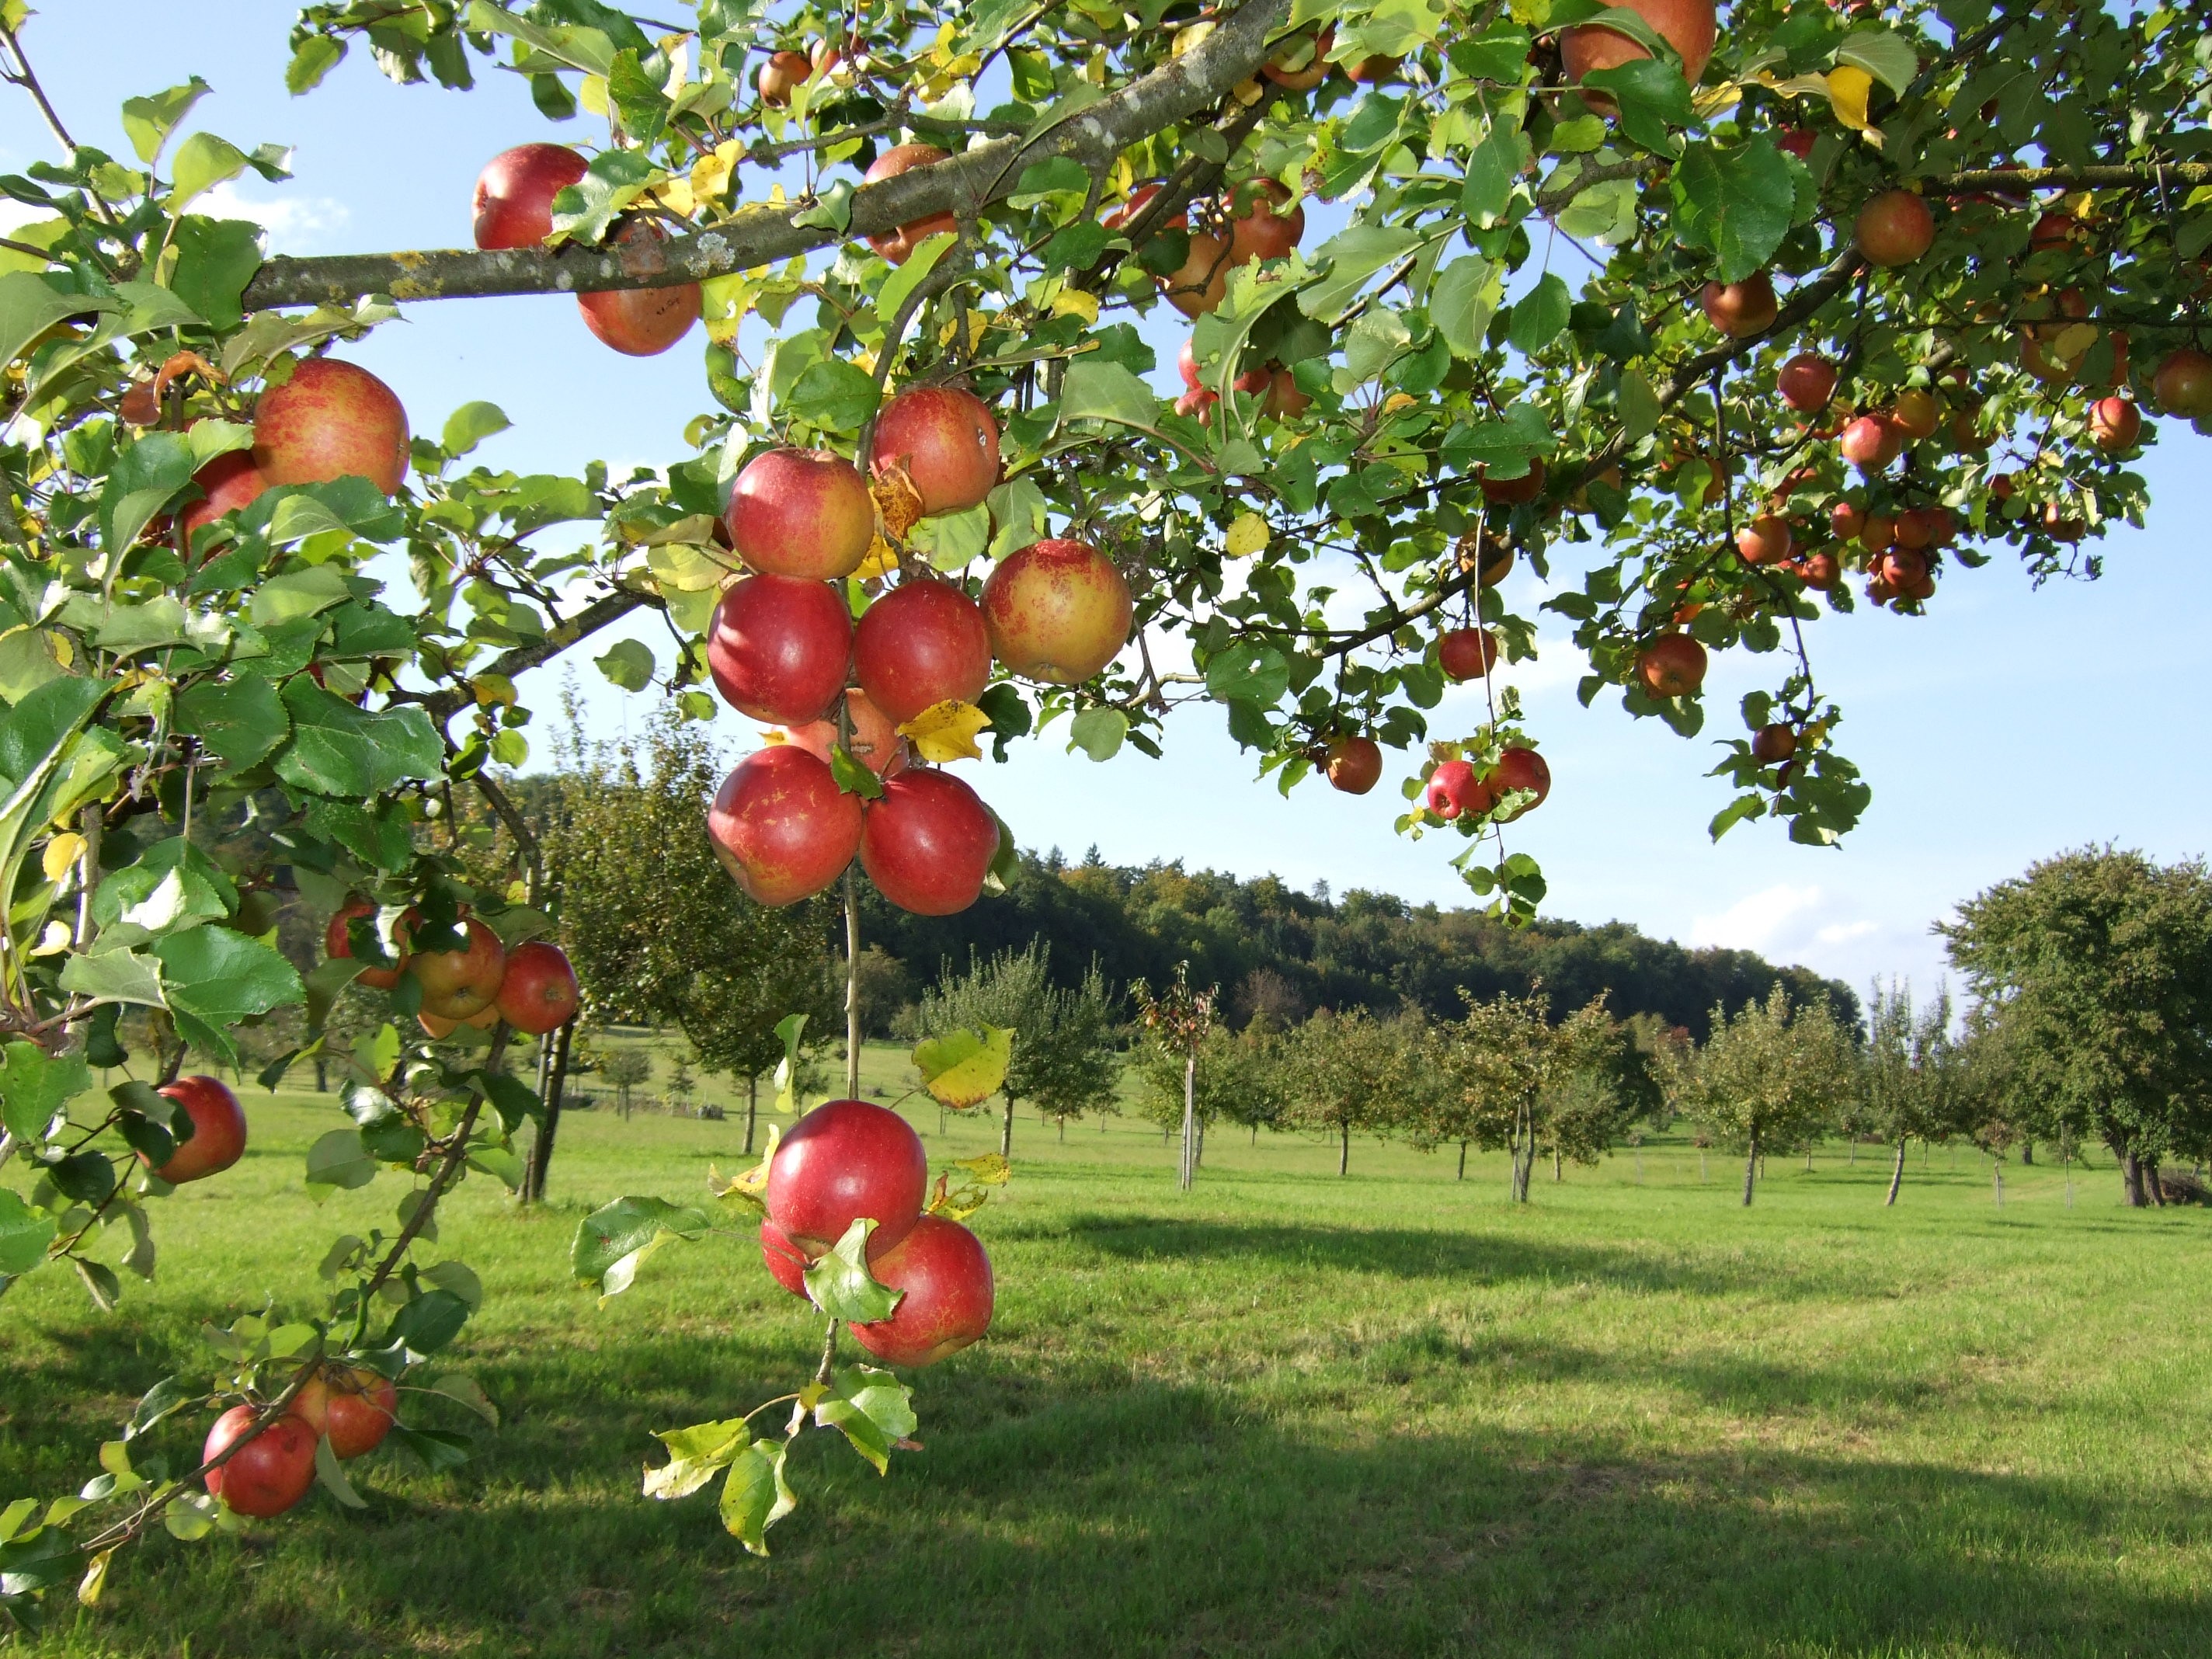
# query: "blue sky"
[[2005, 725]]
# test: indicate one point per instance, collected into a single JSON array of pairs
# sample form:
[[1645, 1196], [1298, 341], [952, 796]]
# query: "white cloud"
[[1765, 921], [294, 223]]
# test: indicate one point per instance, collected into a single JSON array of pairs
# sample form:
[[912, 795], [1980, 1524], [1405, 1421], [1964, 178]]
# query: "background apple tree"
[[1719, 324]]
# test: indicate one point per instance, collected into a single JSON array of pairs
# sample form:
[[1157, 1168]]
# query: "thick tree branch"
[[442, 706], [2143, 175], [759, 235]]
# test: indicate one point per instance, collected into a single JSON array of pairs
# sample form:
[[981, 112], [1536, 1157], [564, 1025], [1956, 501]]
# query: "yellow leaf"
[[54, 941], [978, 322], [947, 731], [1397, 401], [712, 173], [1248, 536], [518, 892], [1076, 303], [881, 561], [61, 852], [675, 195], [723, 303], [964, 1068], [1848, 87], [2072, 340], [593, 94]]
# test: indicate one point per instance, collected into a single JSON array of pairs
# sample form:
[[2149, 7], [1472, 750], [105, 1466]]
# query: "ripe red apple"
[[781, 76], [1764, 540], [899, 244], [874, 741], [438, 1028], [1519, 768], [538, 992], [1807, 382], [1925, 526], [1311, 73], [1671, 666], [269, 1473], [1773, 743], [1871, 442], [1355, 765], [1252, 379], [1820, 570], [354, 1405], [779, 648], [1454, 789], [786, 1262], [941, 1267], [457, 984], [1257, 231], [1916, 414], [944, 438], [640, 322], [923, 643], [1741, 309], [844, 1161], [1877, 530], [1284, 401], [2114, 424], [1894, 229], [2060, 526], [1512, 492], [1057, 612], [337, 941], [781, 827], [1686, 24], [929, 843], [1845, 519], [2183, 384], [330, 420], [801, 513], [1467, 653], [1200, 282], [1795, 141], [514, 203], [218, 1129], [228, 483], [1902, 567], [1194, 402]]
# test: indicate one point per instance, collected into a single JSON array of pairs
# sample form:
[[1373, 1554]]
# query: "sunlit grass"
[[1287, 1413]]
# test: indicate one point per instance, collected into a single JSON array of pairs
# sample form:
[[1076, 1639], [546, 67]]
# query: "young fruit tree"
[[1869, 297]]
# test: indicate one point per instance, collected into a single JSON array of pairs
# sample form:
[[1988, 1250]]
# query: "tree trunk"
[[1063, 1131], [1750, 1170], [1896, 1173], [1463, 1160], [1187, 1166], [1344, 1149], [752, 1111], [2153, 1189], [549, 1121], [1808, 1157], [1559, 1166], [1705, 1174], [1198, 1147], [1255, 1135], [322, 1075], [1996, 1169], [1006, 1131], [1854, 1156], [853, 983], [2026, 1154]]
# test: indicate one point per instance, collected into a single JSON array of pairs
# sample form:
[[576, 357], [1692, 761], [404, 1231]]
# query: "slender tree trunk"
[[752, 1110], [1187, 1168], [322, 1075], [1808, 1157], [1063, 1131], [2132, 1189], [1198, 1147], [548, 1123], [1996, 1169], [1559, 1166], [1463, 1160], [1006, 1131], [1854, 1158], [852, 985], [1255, 1135], [2026, 1154], [1896, 1173], [2153, 1188], [1344, 1148], [1750, 1170]]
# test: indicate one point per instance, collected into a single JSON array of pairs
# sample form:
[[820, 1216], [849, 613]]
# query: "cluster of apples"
[[351, 1406], [783, 649], [533, 988], [512, 207], [1456, 787], [849, 1160]]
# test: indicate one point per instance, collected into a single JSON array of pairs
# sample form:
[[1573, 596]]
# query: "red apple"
[[1355, 765], [781, 827], [874, 741], [2060, 526], [929, 843], [640, 322], [1871, 442], [801, 513], [1454, 788], [458, 984], [1284, 401], [1894, 229], [228, 483], [2114, 424], [944, 438], [330, 420], [779, 648], [786, 1262], [1467, 653], [1311, 72], [337, 941], [1519, 769], [1795, 141], [781, 76], [1807, 382], [844, 1161], [538, 992], [269, 1473], [1194, 402], [1820, 570], [354, 1405], [1512, 492], [1200, 282], [899, 244], [923, 642], [218, 1129], [514, 205], [1671, 666], [1057, 612], [1741, 309], [1773, 744], [946, 1278], [2183, 384], [1845, 519], [1373, 71], [438, 1028], [1916, 414], [1764, 540], [1256, 230], [1686, 24]]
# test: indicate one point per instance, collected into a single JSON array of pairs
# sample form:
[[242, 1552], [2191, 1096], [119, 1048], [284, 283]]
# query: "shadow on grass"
[[1084, 1511]]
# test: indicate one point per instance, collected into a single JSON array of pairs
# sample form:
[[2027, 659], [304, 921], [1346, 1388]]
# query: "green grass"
[[1286, 1414]]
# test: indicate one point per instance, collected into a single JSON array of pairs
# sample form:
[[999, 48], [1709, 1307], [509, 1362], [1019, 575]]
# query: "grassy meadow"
[[1285, 1414]]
